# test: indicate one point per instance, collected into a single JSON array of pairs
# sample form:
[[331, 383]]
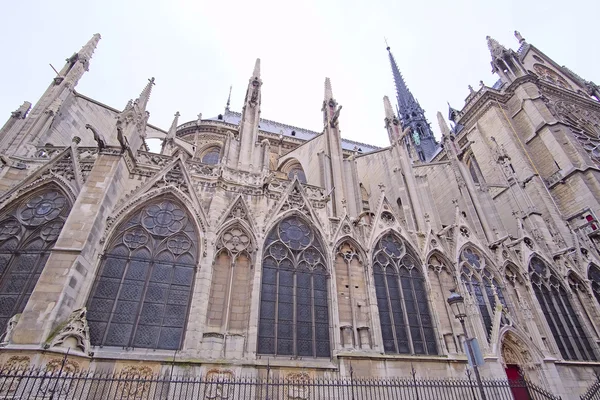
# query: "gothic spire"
[[228, 99], [496, 49], [412, 115], [404, 96]]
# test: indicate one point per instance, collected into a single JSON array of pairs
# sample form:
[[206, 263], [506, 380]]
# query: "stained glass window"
[[406, 323], [294, 305], [481, 284], [142, 293], [297, 171], [594, 277], [211, 156], [569, 334], [28, 231]]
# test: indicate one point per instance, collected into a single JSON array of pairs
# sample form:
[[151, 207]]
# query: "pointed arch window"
[[294, 311], [296, 170], [142, 293], [28, 231], [481, 285], [594, 277], [406, 323], [555, 302], [474, 169], [211, 156]]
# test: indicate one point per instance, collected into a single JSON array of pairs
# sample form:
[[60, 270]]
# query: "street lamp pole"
[[457, 304]]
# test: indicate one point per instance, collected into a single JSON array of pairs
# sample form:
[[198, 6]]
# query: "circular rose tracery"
[[42, 208], [235, 240], [163, 219]]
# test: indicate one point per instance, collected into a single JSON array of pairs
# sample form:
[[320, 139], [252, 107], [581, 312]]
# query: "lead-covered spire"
[[412, 115]]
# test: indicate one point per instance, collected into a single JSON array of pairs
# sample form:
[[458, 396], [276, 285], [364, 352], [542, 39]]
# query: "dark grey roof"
[[266, 125], [498, 84]]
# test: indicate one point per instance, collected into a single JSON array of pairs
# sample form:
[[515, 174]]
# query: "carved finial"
[[471, 90], [519, 37], [443, 125], [481, 84], [199, 119]]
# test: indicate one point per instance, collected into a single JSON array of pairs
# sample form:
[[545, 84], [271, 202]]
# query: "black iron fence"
[[593, 393], [88, 385]]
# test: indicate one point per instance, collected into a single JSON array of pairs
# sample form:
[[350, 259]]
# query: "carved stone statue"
[[97, 137]]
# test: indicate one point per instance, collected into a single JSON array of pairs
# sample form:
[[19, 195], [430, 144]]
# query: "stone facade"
[[248, 244]]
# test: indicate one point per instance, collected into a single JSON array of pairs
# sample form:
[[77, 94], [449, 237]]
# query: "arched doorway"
[[518, 363]]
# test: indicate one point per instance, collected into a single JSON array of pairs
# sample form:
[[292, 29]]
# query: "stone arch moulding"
[[134, 204], [523, 352], [361, 252], [313, 222], [41, 183], [414, 248]]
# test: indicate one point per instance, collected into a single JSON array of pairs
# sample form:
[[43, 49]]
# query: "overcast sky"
[[197, 49]]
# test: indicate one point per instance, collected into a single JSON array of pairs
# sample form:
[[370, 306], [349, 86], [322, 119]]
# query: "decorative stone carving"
[[217, 387], [295, 200], [236, 240], [298, 386], [75, 333], [514, 351], [10, 327], [57, 384], [174, 177], [135, 383], [15, 367]]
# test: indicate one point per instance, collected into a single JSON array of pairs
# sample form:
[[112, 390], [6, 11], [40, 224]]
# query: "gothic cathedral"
[[248, 244]]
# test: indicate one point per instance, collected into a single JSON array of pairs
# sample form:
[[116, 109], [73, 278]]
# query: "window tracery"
[[584, 124], [294, 312], [297, 170], [551, 76], [568, 332], [481, 285], [142, 293], [28, 231], [406, 323]]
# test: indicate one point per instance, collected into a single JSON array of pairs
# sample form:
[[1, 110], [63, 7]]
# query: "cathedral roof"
[[277, 128]]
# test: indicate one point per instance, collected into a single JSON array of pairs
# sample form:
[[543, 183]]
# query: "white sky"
[[196, 49]]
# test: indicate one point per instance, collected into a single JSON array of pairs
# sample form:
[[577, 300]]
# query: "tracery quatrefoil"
[[236, 240], [163, 219]]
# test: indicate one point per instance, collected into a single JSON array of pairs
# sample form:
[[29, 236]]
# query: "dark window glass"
[[142, 293], [294, 305], [298, 171], [562, 320], [28, 231], [211, 157], [406, 323], [594, 276]]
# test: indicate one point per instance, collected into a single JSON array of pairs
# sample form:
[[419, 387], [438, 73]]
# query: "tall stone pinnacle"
[[256, 73], [144, 97], [443, 125], [88, 49], [173, 129], [328, 91], [389, 111]]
